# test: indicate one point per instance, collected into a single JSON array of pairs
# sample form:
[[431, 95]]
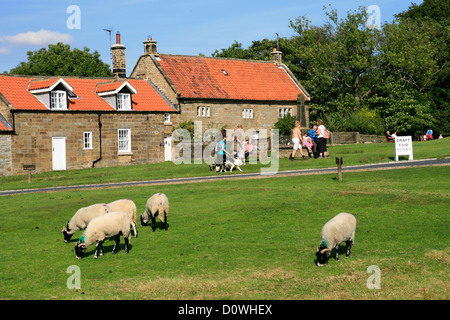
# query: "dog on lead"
[[229, 164]]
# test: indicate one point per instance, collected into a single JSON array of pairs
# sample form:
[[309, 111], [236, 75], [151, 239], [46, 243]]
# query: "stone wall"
[[5, 155], [229, 114]]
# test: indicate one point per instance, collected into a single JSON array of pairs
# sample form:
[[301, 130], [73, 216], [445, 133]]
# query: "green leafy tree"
[[59, 60], [432, 17], [337, 61]]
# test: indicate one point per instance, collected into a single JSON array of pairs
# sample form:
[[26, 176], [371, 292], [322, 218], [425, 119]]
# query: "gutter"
[[100, 139]]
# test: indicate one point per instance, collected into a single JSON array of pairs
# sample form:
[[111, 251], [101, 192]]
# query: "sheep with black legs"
[[82, 217], [157, 205], [128, 206], [106, 226], [339, 229]]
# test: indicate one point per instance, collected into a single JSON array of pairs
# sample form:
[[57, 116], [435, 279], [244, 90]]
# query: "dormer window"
[[117, 94], [123, 101], [58, 100], [51, 92]]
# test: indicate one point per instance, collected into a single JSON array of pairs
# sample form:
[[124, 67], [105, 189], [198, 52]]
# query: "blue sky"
[[179, 26]]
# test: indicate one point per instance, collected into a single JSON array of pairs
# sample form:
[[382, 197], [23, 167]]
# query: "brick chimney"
[[150, 46], [118, 58]]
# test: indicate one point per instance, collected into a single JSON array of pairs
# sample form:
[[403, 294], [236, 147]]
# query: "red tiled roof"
[[146, 96], [217, 78], [41, 84], [108, 86], [15, 90]]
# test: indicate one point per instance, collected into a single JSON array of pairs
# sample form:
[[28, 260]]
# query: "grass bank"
[[352, 154]]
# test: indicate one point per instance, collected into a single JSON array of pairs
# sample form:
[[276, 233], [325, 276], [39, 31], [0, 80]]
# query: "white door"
[[59, 153], [167, 149]]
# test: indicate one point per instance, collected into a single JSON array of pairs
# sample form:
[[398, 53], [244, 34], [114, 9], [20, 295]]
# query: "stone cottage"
[[222, 92], [61, 123]]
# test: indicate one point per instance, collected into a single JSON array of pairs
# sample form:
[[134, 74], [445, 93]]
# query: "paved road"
[[368, 167]]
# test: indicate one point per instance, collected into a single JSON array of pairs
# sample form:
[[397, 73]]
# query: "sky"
[[184, 27]]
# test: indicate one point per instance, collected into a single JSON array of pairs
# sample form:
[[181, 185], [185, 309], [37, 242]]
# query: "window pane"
[[123, 101], [124, 140]]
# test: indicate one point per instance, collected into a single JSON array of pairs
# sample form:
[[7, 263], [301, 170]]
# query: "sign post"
[[29, 168], [403, 147]]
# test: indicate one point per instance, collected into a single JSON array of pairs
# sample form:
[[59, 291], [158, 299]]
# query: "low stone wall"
[[354, 138]]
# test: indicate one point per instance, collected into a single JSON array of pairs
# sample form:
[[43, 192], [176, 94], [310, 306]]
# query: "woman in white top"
[[321, 141]]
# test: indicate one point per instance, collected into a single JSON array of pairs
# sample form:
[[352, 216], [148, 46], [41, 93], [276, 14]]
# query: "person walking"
[[221, 156], [296, 141]]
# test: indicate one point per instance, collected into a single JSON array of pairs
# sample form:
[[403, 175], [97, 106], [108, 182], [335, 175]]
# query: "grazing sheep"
[[82, 217], [339, 229], [158, 204], [128, 206], [102, 227]]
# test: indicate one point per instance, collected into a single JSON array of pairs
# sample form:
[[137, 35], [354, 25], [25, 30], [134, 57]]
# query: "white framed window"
[[87, 140], [282, 112], [167, 117], [123, 101], [58, 100], [203, 112], [124, 139], [247, 113]]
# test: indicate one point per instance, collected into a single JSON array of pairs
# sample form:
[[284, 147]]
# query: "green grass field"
[[352, 154], [246, 239]]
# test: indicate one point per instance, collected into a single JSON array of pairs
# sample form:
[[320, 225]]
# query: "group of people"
[[427, 136], [315, 140], [244, 148]]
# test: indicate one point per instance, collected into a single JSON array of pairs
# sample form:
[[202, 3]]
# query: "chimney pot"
[[118, 37]]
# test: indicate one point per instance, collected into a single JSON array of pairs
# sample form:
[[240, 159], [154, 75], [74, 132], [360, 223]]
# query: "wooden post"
[[339, 163]]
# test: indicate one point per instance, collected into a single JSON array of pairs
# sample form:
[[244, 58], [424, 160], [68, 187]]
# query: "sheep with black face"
[[106, 226], [339, 229]]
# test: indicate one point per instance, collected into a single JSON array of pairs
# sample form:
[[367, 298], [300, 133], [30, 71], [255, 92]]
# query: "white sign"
[[403, 147]]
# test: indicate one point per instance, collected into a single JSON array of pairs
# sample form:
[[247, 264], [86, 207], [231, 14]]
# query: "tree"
[[338, 59], [59, 60], [434, 16]]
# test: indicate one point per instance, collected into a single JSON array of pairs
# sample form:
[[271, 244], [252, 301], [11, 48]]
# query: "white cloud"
[[5, 51], [40, 38]]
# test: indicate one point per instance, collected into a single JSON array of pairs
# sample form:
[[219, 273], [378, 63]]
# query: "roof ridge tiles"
[[216, 58]]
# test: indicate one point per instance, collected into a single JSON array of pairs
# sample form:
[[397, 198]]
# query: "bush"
[[285, 125], [362, 121]]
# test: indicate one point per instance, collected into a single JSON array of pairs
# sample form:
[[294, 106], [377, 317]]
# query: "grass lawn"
[[352, 155], [247, 239]]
